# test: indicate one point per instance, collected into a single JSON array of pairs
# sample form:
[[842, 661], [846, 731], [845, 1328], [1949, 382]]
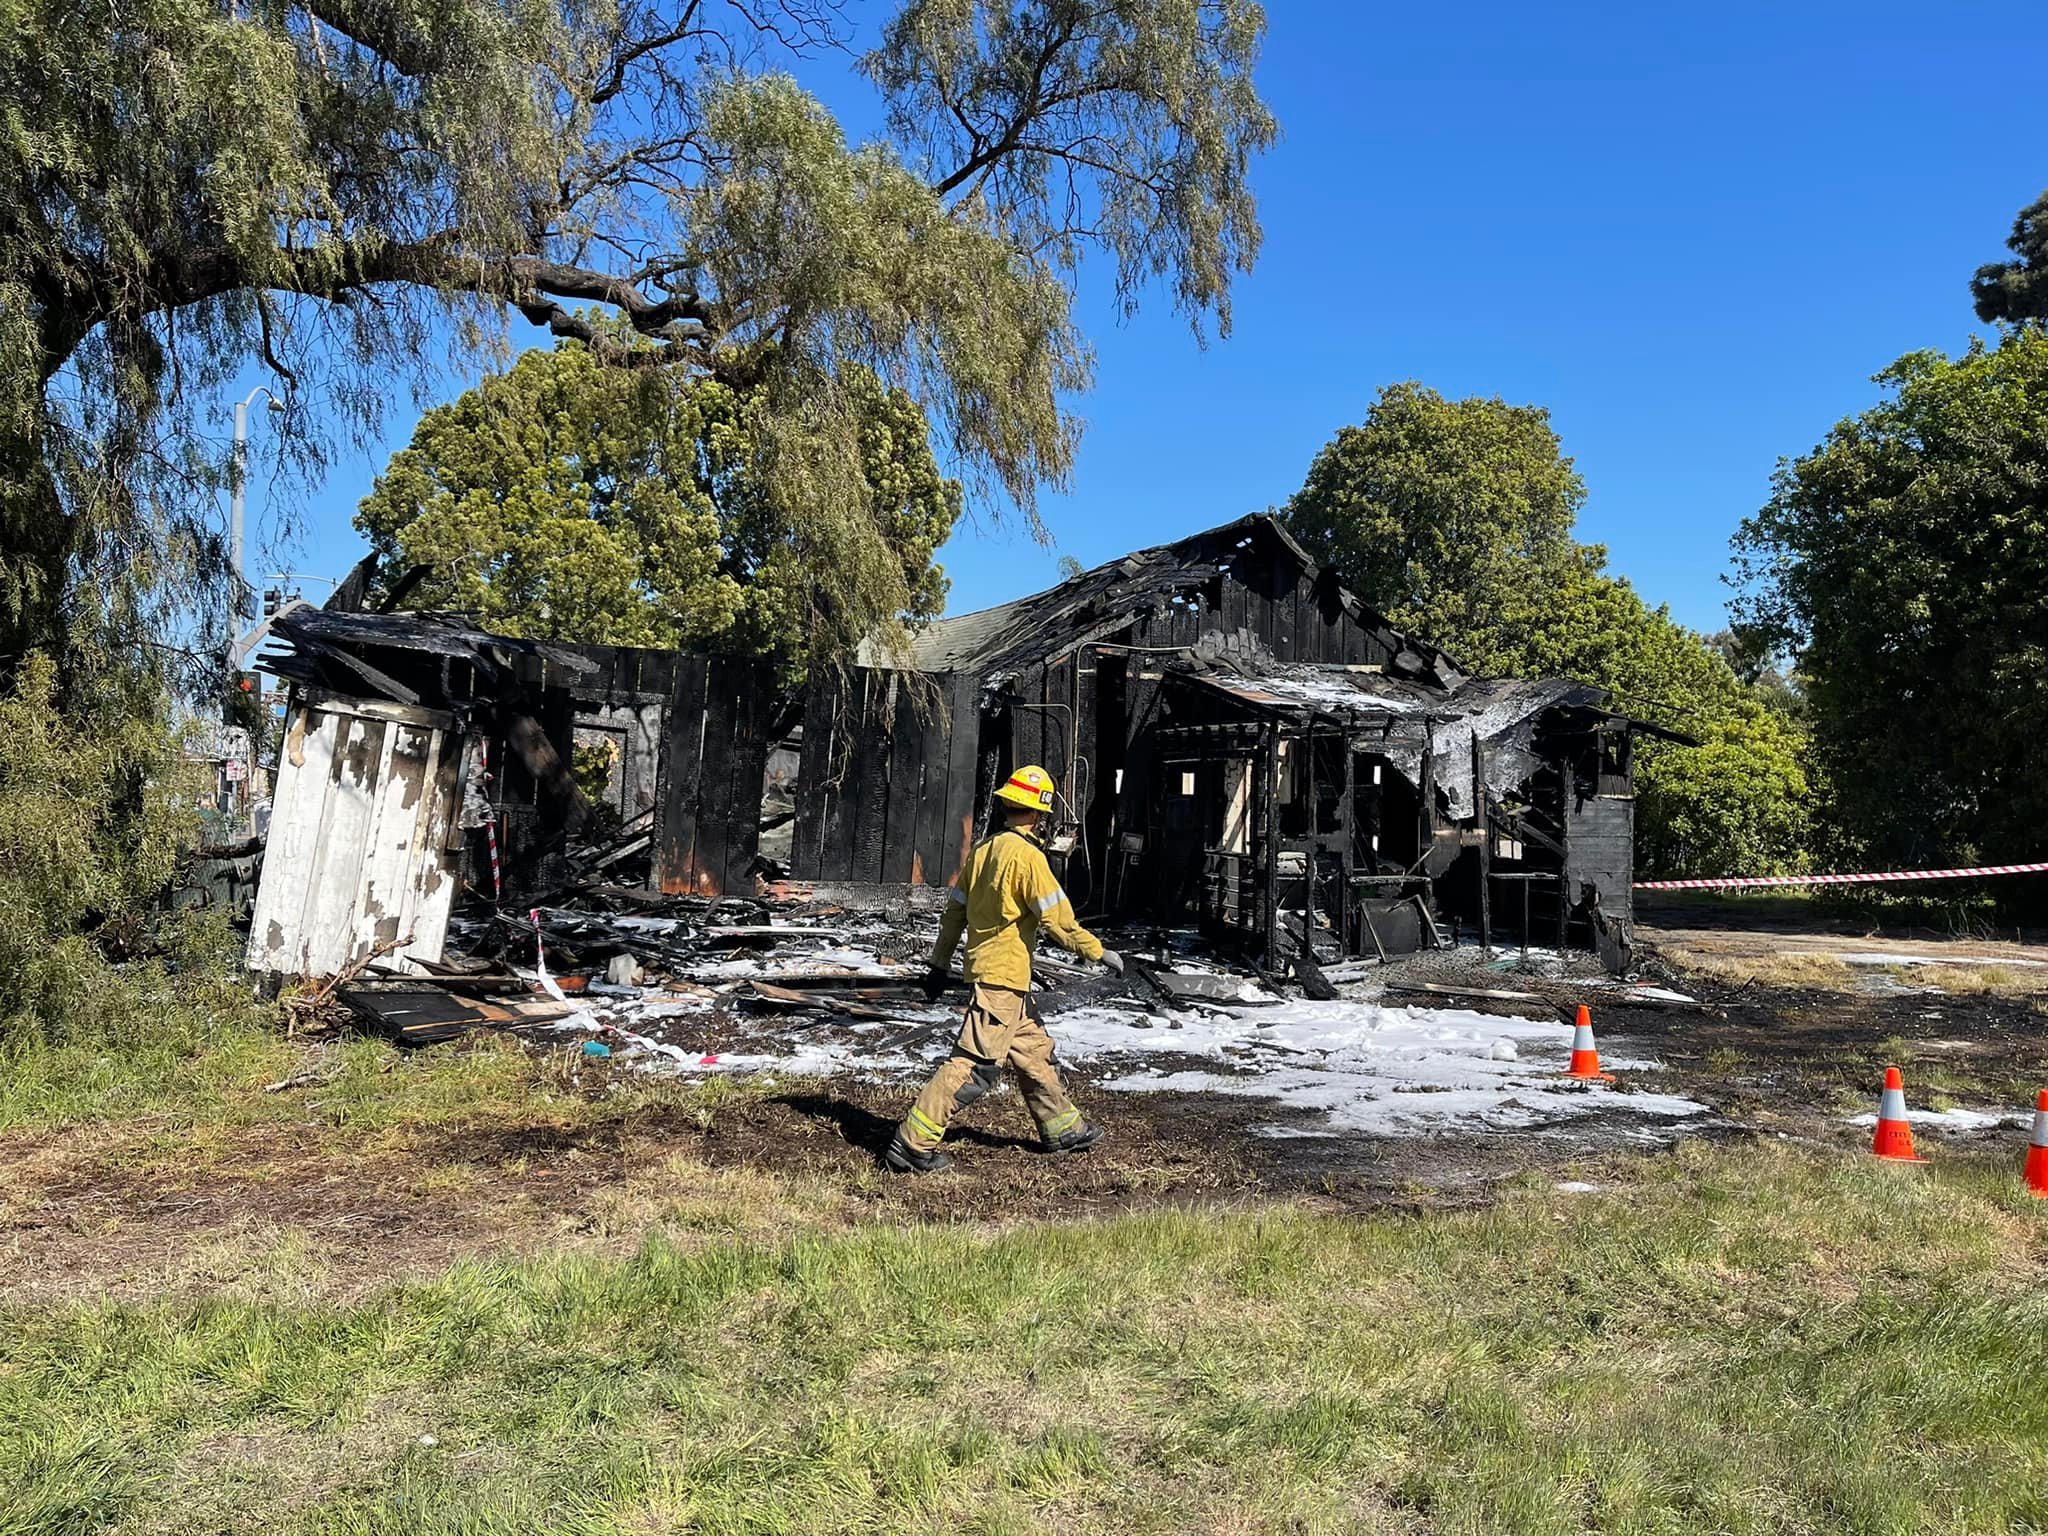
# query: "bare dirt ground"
[[272, 1206]]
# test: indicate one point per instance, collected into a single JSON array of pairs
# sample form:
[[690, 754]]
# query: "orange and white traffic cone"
[[1894, 1139], [2037, 1150], [1585, 1065]]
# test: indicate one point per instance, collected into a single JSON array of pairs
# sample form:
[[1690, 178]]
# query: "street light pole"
[[234, 792], [237, 474]]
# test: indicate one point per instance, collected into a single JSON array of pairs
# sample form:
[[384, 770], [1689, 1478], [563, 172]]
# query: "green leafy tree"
[[2016, 291], [576, 501], [1455, 519], [1446, 515], [1741, 801], [90, 824], [342, 193], [1904, 560]]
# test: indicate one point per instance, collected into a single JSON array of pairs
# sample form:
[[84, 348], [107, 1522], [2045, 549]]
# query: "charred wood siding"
[[889, 780], [1599, 844], [1272, 608], [708, 814], [711, 754]]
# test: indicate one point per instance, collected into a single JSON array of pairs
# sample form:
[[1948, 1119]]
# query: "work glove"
[[1113, 962], [935, 981]]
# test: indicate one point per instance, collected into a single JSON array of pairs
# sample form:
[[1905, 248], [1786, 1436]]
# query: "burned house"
[[1242, 745]]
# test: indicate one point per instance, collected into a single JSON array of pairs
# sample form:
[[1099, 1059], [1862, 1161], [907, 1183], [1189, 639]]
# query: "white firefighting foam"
[[1349, 1067]]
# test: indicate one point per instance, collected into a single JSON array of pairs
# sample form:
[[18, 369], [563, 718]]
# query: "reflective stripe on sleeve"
[[954, 893], [1047, 902]]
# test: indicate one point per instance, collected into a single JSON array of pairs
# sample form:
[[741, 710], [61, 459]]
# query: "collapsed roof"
[[409, 658], [995, 642], [1412, 720]]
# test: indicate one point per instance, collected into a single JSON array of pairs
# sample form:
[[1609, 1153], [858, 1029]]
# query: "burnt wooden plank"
[[1055, 713], [675, 822], [842, 784], [754, 697], [1283, 620], [1126, 874], [906, 777], [1236, 608], [1028, 728], [1093, 799], [599, 684], [1087, 751], [931, 841], [871, 774], [533, 745], [963, 761], [807, 840], [714, 786], [1331, 621], [1304, 607], [557, 715], [1258, 598]]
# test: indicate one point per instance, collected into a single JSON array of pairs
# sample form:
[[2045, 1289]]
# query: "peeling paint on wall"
[[359, 839]]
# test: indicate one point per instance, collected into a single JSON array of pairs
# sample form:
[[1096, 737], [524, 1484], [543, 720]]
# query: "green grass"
[[176, 1096], [177, 1047], [1740, 1341]]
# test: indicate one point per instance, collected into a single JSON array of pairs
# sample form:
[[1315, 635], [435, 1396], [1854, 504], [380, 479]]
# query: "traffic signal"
[[273, 599]]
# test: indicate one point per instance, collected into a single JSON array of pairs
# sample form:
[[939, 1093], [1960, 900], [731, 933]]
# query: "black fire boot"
[[902, 1157], [1077, 1138]]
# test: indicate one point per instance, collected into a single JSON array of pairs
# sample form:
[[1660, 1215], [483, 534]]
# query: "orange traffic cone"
[[1894, 1140], [2037, 1151], [1585, 1057]]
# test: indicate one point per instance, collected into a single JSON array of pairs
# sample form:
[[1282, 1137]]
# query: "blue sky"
[[1692, 234]]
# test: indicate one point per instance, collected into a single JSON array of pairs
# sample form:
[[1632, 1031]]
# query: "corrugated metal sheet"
[[364, 837]]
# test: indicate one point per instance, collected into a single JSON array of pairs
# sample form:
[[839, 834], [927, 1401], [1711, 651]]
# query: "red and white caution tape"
[[483, 763], [1759, 882]]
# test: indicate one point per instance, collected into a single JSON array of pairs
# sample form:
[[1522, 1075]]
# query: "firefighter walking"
[[1004, 895]]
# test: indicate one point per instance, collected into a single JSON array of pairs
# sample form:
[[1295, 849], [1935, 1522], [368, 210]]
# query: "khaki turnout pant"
[[1001, 1030]]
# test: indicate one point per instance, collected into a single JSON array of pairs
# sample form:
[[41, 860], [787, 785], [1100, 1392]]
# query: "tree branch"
[[1027, 112], [529, 284], [631, 53], [379, 27]]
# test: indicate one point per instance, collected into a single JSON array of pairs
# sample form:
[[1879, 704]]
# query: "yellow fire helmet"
[[1029, 787]]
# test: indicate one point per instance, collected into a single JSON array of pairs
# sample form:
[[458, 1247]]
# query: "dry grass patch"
[[1976, 980], [681, 1197], [1812, 972], [1818, 971]]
